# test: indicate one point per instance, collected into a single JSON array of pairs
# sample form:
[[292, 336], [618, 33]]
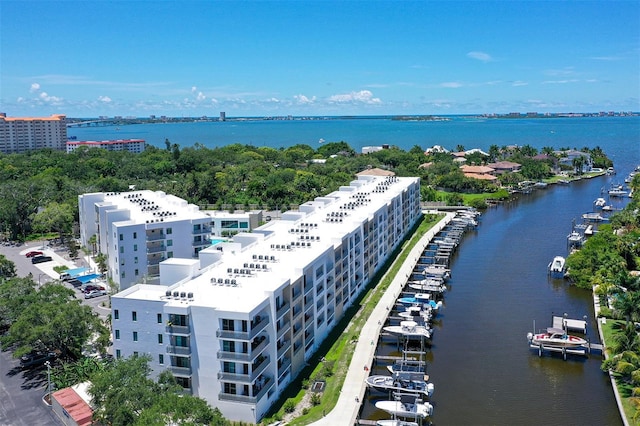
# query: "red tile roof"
[[74, 405]]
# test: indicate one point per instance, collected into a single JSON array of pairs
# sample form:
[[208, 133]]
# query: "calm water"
[[480, 362]]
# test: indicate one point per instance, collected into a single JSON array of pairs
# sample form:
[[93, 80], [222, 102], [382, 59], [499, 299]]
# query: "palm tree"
[[627, 304]]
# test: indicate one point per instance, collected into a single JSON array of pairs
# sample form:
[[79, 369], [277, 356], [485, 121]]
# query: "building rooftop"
[[151, 207], [266, 259]]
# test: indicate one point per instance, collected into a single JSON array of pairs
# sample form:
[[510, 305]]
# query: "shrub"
[[604, 312], [305, 411], [316, 399], [289, 406]]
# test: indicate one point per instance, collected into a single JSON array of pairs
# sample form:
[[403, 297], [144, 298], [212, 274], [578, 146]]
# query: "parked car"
[[65, 276], [34, 253], [41, 259], [35, 359], [94, 293], [89, 287], [75, 283]]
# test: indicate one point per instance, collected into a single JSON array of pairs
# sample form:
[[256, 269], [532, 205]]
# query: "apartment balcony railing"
[[244, 335], [178, 350], [296, 295], [156, 249], [202, 230], [283, 309], [180, 371], [178, 329], [156, 236], [234, 377], [284, 347], [234, 356], [155, 260], [286, 362], [248, 399]]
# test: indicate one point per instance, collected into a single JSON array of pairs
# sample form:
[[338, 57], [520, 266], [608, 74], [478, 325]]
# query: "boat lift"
[[568, 324]]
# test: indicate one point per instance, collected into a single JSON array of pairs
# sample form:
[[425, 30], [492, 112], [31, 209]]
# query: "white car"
[[94, 293]]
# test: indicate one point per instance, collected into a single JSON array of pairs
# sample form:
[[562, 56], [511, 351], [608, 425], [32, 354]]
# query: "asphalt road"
[[21, 391]]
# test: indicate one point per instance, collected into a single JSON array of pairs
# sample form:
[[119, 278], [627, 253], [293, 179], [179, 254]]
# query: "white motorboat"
[[437, 272], [556, 267], [600, 203], [419, 314], [409, 330], [420, 299], [395, 422], [617, 191], [593, 217], [428, 286], [403, 382], [414, 410], [556, 338]]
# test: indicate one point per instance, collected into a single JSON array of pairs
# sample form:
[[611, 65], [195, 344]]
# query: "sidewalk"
[[353, 389]]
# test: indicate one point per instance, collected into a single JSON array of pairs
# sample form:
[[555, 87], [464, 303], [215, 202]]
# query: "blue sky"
[[195, 58]]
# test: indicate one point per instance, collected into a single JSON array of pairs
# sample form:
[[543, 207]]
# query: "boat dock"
[[570, 324]]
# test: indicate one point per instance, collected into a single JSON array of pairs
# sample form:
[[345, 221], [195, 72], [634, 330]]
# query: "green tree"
[[55, 319], [7, 268], [123, 394], [54, 217]]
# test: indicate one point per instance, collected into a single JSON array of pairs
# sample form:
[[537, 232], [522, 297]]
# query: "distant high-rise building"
[[21, 134], [223, 116]]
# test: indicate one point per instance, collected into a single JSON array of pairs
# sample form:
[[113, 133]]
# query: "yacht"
[[556, 338], [413, 410], [556, 267], [410, 330]]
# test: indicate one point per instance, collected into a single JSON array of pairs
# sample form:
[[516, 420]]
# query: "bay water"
[[480, 362]]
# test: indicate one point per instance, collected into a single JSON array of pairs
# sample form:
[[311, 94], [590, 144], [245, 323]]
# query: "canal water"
[[479, 360]]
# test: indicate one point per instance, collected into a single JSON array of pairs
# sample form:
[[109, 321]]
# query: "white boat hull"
[[406, 410]]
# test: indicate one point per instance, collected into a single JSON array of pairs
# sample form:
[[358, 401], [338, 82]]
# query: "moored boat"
[[556, 338], [600, 203], [404, 382], [414, 410], [407, 365], [409, 329], [556, 267], [395, 422]]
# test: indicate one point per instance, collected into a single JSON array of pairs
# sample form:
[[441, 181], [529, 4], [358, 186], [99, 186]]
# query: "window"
[[135, 260], [134, 316], [135, 273], [135, 353], [169, 254], [118, 355], [169, 231], [159, 339], [122, 274], [229, 367], [135, 235], [227, 325], [169, 243], [228, 346], [160, 359], [159, 318], [117, 334], [116, 314], [121, 237], [230, 388], [121, 249], [135, 248], [135, 336]]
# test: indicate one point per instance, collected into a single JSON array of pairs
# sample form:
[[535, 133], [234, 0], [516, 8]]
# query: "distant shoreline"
[[117, 120]]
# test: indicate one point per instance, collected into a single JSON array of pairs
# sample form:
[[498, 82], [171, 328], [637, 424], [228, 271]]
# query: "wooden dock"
[[570, 324]]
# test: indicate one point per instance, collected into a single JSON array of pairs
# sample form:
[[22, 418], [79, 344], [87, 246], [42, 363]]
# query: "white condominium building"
[[21, 134], [137, 230], [132, 145], [238, 325]]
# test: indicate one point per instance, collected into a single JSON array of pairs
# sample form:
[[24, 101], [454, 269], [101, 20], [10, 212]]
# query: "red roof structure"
[[74, 406]]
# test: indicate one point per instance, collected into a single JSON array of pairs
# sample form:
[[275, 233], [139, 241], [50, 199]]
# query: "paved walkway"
[[346, 410]]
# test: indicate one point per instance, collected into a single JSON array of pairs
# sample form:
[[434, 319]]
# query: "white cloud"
[[451, 84], [34, 87], [52, 99], [363, 96], [480, 56], [302, 99], [560, 81], [606, 58], [193, 89], [201, 96], [519, 83], [104, 99]]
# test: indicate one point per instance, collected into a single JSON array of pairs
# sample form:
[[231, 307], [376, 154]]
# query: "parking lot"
[[21, 390]]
